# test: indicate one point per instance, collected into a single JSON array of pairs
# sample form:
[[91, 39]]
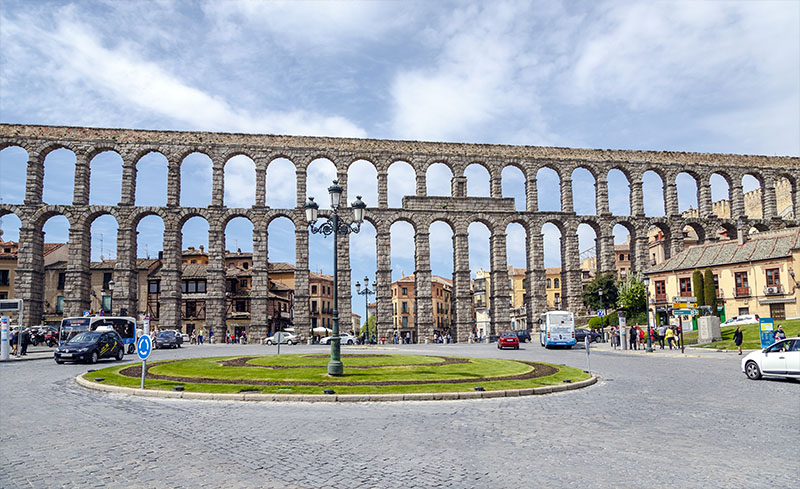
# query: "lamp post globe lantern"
[[646, 282], [366, 293], [335, 225]]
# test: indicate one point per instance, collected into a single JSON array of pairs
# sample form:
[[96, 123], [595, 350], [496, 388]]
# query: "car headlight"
[[82, 350]]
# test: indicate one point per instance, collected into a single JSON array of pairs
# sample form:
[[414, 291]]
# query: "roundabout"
[[367, 377]]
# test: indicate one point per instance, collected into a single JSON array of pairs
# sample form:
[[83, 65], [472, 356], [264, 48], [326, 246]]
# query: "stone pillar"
[[261, 182], [342, 177], [601, 201], [704, 198], [537, 278], [126, 277], [458, 186], [737, 201], [796, 199], [571, 274], [300, 176], [566, 195], [259, 290], [383, 289], [82, 178], [637, 202], [78, 279], [676, 238], [128, 194], [769, 201], [496, 184], [531, 195], [218, 187], [501, 297], [671, 199], [344, 276], [216, 302], [383, 189], [423, 295], [302, 318], [422, 186], [604, 251], [461, 286], [29, 275], [170, 314], [173, 184], [34, 183]]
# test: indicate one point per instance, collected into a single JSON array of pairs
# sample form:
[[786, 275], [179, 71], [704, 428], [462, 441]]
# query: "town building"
[[321, 304], [404, 307], [8, 265], [753, 274]]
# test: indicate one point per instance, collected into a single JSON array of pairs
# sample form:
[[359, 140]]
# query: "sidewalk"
[[33, 353], [689, 351]]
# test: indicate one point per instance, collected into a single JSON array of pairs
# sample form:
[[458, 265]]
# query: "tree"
[[697, 288], [710, 291], [372, 323], [607, 282], [632, 295]]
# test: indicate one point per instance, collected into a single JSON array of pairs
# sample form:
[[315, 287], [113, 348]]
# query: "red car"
[[508, 340]]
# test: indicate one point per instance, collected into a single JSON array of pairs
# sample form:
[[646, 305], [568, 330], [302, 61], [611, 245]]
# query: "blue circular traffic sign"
[[144, 345]]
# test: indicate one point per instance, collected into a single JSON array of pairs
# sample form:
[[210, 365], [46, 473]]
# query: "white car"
[[283, 338], [740, 320], [782, 359], [346, 339]]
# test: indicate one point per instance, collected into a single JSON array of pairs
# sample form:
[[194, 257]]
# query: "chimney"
[[201, 248], [741, 235]]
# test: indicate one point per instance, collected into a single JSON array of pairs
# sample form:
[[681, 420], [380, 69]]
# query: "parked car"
[[91, 346], [523, 335], [508, 340], [581, 334], [781, 359], [185, 338], [283, 338], [345, 339], [740, 320], [167, 339]]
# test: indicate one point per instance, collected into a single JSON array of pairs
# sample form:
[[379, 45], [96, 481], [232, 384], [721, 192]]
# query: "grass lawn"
[[398, 369], [750, 335]]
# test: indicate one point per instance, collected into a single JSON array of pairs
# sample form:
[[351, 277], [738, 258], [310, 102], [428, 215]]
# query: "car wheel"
[[516, 347], [93, 358], [290, 342], [130, 349], [120, 354], [349, 342], [269, 342], [752, 370]]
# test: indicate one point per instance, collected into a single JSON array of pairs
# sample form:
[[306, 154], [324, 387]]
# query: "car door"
[[774, 361], [793, 357], [104, 346]]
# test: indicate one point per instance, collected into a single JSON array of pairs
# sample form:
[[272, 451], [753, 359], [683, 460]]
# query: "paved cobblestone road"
[[655, 421]]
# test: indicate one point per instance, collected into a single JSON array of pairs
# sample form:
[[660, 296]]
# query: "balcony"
[[742, 292], [773, 290], [661, 297]]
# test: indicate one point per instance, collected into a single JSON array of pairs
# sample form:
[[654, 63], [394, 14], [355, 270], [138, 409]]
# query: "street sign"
[[684, 299], [694, 312], [601, 312], [681, 312], [10, 305], [144, 346]]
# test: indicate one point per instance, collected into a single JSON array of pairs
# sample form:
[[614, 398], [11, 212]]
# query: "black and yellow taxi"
[[91, 346]]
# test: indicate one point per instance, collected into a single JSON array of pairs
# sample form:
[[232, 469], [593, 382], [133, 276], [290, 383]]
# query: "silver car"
[[283, 338], [346, 339], [781, 359]]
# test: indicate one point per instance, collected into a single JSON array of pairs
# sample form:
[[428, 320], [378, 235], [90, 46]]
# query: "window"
[[3, 277], [686, 286], [622, 257], [62, 277], [741, 279], [549, 284], [201, 286], [773, 277], [405, 321], [245, 265], [183, 286], [404, 307], [313, 289], [716, 284], [241, 306], [3, 295], [405, 291], [661, 287], [556, 283], [60, 304], [191, 309], [154, 287], [193, 262], [191, 287], [243, 283], [313, 306], [106, 280]]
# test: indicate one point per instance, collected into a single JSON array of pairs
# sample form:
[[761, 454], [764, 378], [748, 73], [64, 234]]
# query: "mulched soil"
[[242, 362], [539, 370]]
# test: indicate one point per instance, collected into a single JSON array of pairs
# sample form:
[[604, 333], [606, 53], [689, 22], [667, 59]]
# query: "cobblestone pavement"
[[653, 421]]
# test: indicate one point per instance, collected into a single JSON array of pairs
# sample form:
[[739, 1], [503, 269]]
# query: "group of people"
[[738, 337], [637, 336], [21, 340]]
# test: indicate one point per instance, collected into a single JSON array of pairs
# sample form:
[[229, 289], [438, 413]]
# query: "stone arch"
[[13, 168], [320, 173], [281, 169], [473, 171], [200, 182], [619, 193], [151, 166], [695, 230], [100, 178], [57, 154], [407, 186], [515, 186], [584, 202], [788, 199], [688, 198], [239, 180], [362, 179], [443, 182], [548, 200]]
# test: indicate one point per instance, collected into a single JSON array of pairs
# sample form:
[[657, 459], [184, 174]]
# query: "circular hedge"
[[363, 374]]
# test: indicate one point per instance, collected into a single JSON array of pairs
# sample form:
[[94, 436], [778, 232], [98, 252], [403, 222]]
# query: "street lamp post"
[[366, 293], [603, 307], [646, 282], [335, 225], [111, 289]]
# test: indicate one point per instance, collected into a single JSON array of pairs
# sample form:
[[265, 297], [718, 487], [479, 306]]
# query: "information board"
[[766, 327]]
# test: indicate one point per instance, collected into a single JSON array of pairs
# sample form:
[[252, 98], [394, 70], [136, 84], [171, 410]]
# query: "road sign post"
[[586, 342], [144, 346]]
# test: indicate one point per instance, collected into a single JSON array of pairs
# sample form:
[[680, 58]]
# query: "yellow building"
[[8, 266], [753, 275], [403, 306]]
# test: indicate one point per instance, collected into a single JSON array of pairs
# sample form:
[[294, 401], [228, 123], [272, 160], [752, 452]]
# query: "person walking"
[[14, 342], [670, 336], [737, 338], [24, 340], [661, 331], [200, 337], [633, 338], [612, 334]]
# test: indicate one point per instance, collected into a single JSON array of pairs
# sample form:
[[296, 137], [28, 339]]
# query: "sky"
[[681, 76]]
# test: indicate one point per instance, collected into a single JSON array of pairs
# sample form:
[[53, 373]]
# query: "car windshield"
[[87, 337], [165, 334]]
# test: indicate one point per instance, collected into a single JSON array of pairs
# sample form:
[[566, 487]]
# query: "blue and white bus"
[[557, 328]]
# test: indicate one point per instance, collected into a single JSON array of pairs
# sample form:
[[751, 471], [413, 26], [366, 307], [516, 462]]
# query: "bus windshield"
[[72, 326], [560, 323]]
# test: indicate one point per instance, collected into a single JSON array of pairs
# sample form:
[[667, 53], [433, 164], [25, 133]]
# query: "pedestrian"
[[14, 341], [200, 337], [633, 338], [779, 334], [737, 338], [642, 340], [210, 335], [24, 340], [662, 330], [670, 336], [612, 333]]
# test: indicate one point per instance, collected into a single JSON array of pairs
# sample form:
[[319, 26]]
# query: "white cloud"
[[240, 182], [281, 184]]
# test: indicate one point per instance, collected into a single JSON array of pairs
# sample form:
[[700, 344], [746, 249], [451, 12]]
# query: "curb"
[[419, 396]]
